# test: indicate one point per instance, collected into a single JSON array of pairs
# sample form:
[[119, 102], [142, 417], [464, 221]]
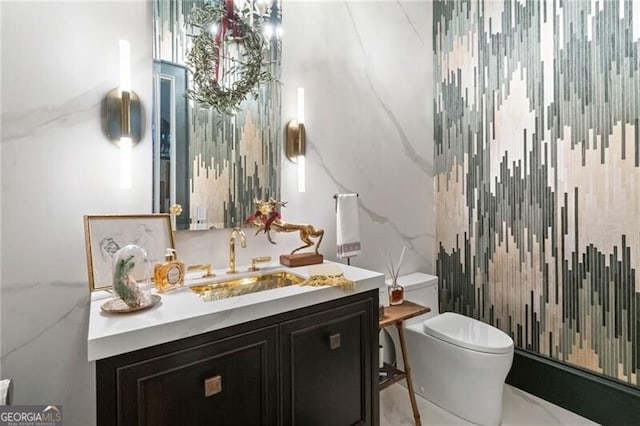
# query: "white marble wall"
[[366, 70], [58, 60]]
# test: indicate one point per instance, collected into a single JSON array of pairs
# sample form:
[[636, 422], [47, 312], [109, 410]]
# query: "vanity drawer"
[[225, 382]]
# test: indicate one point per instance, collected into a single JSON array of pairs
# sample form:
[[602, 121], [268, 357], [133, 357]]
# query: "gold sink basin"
[[245, 285]]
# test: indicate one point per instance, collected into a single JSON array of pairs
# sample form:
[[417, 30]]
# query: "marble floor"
[[519, 408]]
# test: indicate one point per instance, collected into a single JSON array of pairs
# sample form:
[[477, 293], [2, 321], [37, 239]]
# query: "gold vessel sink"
[[245, 285]]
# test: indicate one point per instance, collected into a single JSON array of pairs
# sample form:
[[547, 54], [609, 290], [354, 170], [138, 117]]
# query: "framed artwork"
[[106, 234]]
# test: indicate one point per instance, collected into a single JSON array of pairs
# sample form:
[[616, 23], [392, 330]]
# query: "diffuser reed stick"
[[394, 272]]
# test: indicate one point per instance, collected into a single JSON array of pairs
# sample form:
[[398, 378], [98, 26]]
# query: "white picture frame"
[[105, 234]]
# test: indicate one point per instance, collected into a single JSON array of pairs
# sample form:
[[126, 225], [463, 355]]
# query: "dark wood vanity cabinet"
[[313, 366], [325, 367]]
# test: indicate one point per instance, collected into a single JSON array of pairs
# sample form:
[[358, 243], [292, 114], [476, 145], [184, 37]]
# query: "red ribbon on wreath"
[[259, 217], [228, 23]]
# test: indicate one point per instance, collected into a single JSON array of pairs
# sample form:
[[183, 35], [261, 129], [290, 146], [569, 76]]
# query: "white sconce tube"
[[125, 162], [125, 66], [121, 115], [301, 174], [125, 137], [300, 105], [295, 142], [300, 158], [268, 31]]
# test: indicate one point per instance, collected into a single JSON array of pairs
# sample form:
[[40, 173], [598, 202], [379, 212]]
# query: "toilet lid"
[[468, 333]]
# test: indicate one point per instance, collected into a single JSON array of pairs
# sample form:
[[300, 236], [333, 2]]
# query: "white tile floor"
[[519, 408]]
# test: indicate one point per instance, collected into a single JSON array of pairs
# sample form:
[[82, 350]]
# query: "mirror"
[[213, 164]]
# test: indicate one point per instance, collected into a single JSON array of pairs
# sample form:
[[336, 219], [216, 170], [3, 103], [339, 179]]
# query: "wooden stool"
[[396, 315]]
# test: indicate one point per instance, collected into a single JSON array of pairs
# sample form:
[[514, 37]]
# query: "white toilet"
[[457, 362]]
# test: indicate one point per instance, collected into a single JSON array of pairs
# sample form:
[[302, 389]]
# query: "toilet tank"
[[419, 288], [422, 289]]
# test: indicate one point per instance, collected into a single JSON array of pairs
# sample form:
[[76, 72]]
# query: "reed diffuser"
[[396, 291]]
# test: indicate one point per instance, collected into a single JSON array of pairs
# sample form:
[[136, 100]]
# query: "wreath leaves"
[[206, 53]]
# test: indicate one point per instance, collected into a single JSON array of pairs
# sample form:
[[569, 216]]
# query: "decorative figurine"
[[131, 276], [267, 218]]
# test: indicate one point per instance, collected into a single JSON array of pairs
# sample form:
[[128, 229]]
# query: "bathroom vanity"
[[290, 355]]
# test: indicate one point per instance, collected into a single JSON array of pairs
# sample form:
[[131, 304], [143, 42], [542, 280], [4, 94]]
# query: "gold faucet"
[[255, 260], [202, 267], [232, 248]]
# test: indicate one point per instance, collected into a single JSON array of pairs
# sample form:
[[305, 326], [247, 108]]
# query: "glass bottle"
[[168, 275], [396, 294]]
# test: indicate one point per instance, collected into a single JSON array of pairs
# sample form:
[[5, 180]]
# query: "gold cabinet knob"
[[212, 386], [335, 341]]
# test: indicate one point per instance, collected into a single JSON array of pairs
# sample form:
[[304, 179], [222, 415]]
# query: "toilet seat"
[[468, 333]]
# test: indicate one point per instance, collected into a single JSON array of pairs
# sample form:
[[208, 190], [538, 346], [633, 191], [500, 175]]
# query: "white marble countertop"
[[182, 313]]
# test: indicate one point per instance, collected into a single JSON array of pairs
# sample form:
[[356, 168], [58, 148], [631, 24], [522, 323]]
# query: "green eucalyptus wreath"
[[203, 59]]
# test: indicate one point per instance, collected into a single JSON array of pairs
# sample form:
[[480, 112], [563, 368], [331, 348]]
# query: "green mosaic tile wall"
[[537, 152]]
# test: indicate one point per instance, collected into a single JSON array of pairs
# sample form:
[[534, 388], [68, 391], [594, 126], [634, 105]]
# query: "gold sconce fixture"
[[122, 116], [295, 142]]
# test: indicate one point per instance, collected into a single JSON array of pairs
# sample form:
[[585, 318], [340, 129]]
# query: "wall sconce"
[[295, 146], [121, 116]]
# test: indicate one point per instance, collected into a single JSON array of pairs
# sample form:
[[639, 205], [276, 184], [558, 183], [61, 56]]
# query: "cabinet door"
[[226, 382], [326, 365]]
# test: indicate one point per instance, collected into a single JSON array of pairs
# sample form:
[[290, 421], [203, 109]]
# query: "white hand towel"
[[348, 225]]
